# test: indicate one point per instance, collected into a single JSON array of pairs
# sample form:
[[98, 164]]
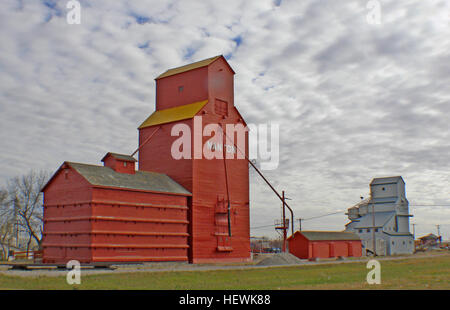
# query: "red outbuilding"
[[173, 208], [324, 244], [113, 213]]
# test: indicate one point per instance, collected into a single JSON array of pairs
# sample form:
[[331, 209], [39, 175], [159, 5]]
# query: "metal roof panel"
[[120, 157], [328, 235], [141, 180], [386, 180]]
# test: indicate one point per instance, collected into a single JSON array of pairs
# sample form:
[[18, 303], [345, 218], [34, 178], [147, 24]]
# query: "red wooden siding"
[[119, 165], [113, 225], [205, 178], [194, 88], [208, 190], [156, 154]]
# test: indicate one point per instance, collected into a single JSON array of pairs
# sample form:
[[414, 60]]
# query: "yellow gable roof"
[[179, 113], [192, 66]]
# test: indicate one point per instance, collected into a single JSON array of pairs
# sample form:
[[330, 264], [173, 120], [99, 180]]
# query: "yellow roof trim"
[[179, 113], [195, 65]]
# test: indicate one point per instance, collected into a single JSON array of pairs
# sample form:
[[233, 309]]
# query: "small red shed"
[[324, 244], [113, 213]]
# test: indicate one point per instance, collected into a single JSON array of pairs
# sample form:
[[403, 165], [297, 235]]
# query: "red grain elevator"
[[192, 209], [202, 91]]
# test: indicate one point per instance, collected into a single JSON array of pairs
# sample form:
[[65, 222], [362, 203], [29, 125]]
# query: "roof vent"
[[120, 163]]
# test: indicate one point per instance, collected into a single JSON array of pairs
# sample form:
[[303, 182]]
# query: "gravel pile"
[[280, 259]]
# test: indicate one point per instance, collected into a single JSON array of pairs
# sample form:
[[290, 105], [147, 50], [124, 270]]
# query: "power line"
[[429, 224], [319, 216], [316, 217], [311, 218], [273, 225], [429, 205]]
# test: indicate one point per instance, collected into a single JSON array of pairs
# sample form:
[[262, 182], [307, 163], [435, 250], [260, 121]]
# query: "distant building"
[[386, 212], [257, 244], [429, 240], [324, 244], [265, 245]]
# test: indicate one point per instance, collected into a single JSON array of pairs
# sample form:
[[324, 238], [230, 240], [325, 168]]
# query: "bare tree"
[[25, 196], [6, 224]]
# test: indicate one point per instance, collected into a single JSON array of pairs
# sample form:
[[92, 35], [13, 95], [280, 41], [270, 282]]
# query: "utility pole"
[[300, 223], [284, 223], [292, 216], [439, 233], [265, 180], [414, 236], [16, 223], [373, 230]]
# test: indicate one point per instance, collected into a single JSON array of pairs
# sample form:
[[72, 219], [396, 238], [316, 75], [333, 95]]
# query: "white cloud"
[[354, 100]]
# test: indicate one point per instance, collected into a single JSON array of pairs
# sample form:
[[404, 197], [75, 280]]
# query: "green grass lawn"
[[418, 273]]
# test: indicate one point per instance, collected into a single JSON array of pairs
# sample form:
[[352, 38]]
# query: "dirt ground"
[[258, 261]]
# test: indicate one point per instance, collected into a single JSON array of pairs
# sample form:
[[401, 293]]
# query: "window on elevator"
[[221, 107]]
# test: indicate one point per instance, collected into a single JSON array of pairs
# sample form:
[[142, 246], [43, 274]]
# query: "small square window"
[[180, 89], [360, 231], [221, 107], [368, 229], [376, 229], [124, 163]]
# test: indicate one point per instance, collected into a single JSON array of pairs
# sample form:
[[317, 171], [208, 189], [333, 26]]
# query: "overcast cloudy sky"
[[354, 100]]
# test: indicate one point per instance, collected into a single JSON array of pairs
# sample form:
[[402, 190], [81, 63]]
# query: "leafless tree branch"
[[25, 198]]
